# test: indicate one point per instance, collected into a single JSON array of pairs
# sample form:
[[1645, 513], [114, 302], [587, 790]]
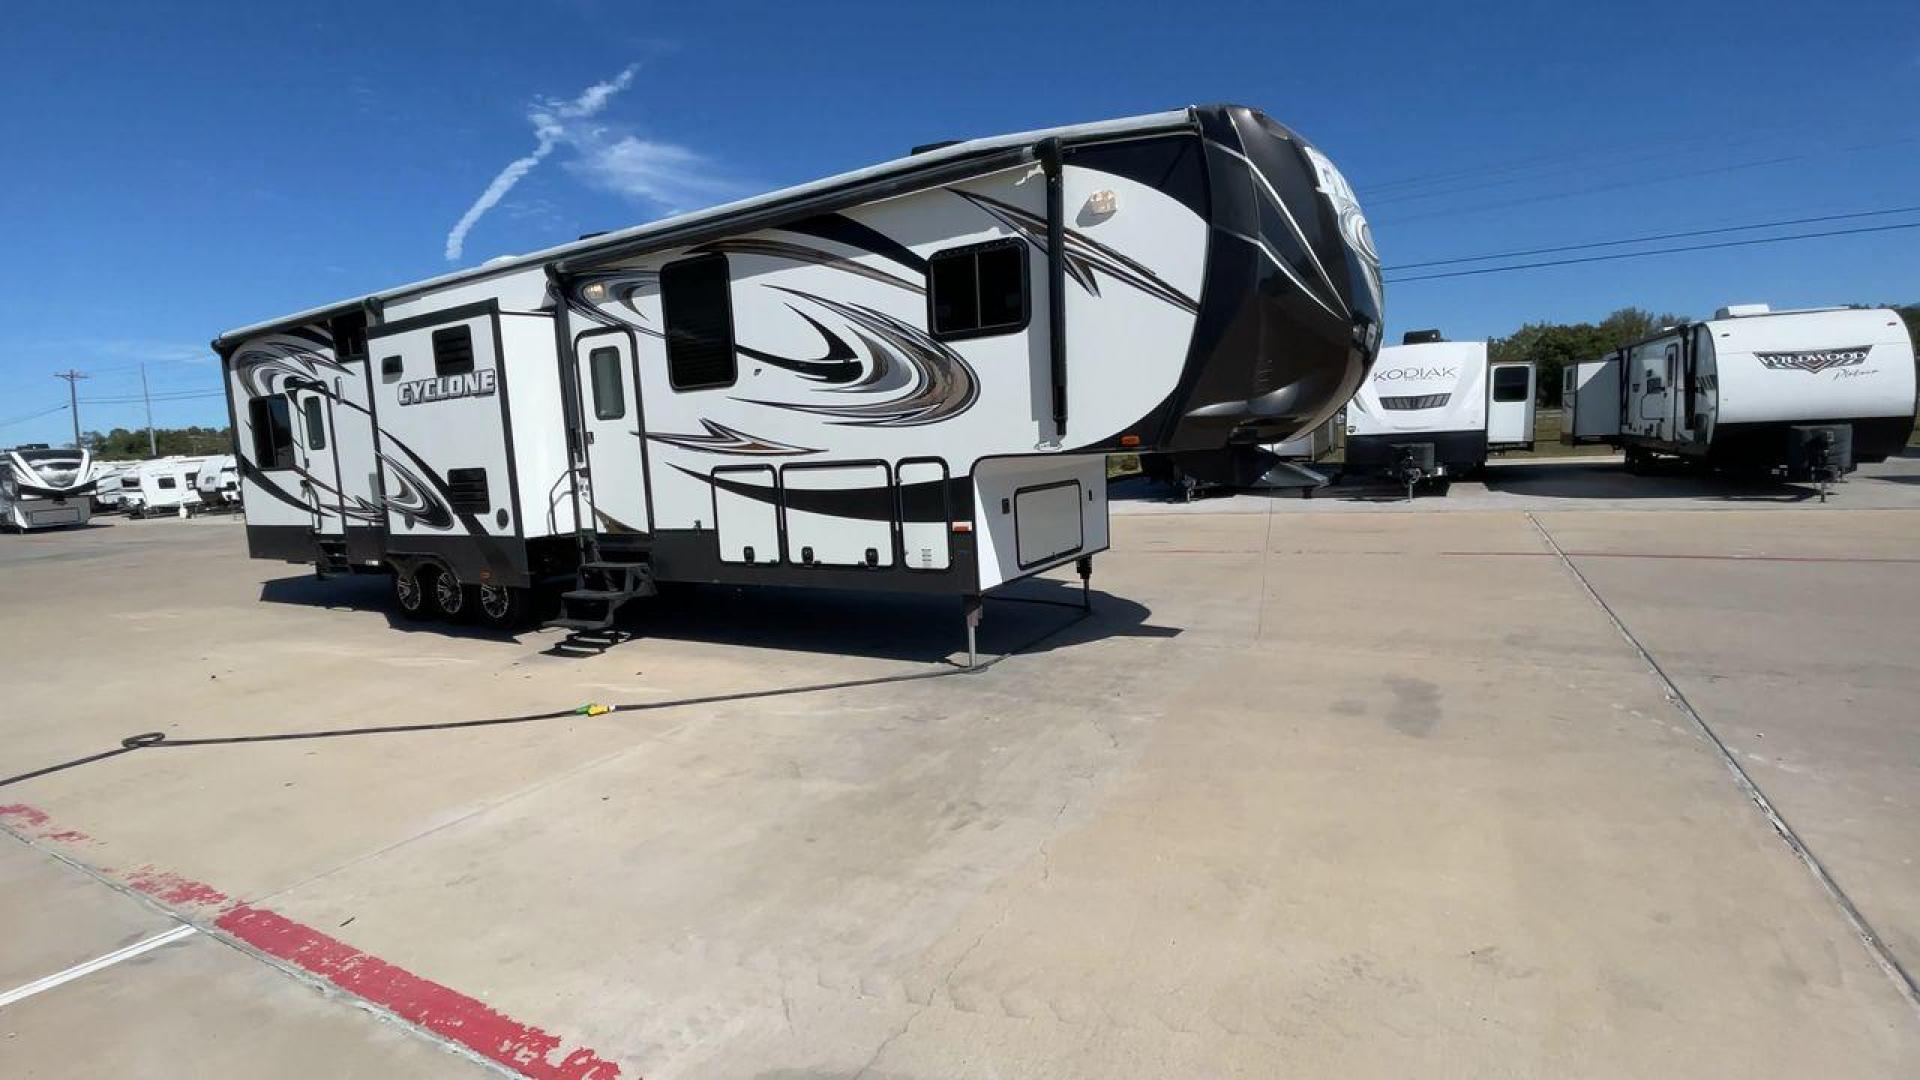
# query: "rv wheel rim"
[[494, 601], [447, 591], [408, 587]]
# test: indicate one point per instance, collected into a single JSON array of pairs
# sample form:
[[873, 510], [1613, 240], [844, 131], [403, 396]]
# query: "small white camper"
[[107, 490], [164, 486], [218, 482], [902, 378], [1433, 409], [1801, 394], [42, 487]]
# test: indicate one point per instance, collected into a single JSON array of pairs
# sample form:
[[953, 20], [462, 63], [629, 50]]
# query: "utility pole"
[[73, 400], [153, 448]]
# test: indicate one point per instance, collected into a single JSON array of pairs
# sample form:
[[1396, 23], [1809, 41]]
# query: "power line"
[[1649, 238], [73, 377], [32, 416], [1657, 251]]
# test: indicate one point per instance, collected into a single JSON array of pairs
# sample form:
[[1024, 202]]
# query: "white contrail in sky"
[[551, 121]]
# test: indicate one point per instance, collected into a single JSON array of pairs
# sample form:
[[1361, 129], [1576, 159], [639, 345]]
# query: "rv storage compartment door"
[[746, 514], [1046, 522], [926, 521], [838, 514]]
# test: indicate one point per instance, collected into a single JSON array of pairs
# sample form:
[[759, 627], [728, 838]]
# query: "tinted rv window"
[[453, 351], [609, 394], [697, 306], [316, 424], [1510, 384], [978, 290], [272, 424], [391, 369]]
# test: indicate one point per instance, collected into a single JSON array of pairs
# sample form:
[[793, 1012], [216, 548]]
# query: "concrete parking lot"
[[1329, 787]]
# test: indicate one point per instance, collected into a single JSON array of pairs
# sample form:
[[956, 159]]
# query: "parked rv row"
[[45, 487], [1802, 395]]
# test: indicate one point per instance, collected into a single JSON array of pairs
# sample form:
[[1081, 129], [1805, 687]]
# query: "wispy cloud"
[[669, 176]]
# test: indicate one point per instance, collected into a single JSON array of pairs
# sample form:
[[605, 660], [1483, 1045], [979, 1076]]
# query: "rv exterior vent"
[[1420, 337], [1735, 311]]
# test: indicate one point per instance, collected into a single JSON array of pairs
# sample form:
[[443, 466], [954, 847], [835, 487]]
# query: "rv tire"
[[448, 598], [501, 607], [410, 593]]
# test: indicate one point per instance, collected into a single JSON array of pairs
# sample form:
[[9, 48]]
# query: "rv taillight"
[[1129, 440]]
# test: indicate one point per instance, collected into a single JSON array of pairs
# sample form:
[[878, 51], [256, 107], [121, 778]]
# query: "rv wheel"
[[502, 607], [449, 597], [408, 593]]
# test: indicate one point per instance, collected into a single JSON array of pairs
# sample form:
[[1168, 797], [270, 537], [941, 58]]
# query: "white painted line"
[[91, 966]]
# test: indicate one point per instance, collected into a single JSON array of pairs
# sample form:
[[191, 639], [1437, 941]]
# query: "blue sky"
[[171, 171]]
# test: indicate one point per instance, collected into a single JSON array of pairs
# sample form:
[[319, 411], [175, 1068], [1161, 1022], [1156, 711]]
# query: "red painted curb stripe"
[[447, 1013]]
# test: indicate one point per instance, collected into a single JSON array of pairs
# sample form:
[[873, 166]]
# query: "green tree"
[[1552, 346]]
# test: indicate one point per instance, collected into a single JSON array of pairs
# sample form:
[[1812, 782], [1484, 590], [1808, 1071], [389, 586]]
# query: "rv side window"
[[166, 482], [467, 489], [453, 351], [316, 424], [1510, 384], [391, 369], [609, 394], [698, 309], [978, 290], [272, 424]]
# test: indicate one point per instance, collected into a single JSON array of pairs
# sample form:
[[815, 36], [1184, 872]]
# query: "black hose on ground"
[[162, 741]]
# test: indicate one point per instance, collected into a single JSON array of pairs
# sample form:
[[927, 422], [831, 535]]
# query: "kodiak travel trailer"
[[1802, 395], [902, 378], [42, 487], [1432, 409]]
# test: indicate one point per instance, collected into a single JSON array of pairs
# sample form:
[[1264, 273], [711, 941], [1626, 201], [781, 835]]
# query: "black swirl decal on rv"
[[721, 439]]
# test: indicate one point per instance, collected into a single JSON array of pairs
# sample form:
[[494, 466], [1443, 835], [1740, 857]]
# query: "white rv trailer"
[[218, 482], [163, 486], [107, 490], [902, 378], [1432, 409], [1804, 394], [43, 486]]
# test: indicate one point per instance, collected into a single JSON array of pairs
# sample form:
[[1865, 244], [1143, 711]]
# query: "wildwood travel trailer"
[[1800, 394], [902, 378], [1432, 409], [42, 487]]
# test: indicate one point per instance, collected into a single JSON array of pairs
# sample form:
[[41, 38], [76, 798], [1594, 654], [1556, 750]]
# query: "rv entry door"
[[320, 461], [1510, 397], [611, 455]]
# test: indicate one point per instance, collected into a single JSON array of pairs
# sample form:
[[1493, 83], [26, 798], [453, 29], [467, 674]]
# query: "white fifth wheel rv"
[[902, 378], [1802, 394], [1432, 409], [107, 490], [43, 486]]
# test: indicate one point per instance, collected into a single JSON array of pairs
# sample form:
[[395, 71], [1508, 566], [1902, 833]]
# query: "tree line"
[[121, 444], [1552, 346]]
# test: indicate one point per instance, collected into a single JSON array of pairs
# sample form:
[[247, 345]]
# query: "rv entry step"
[[600, 588]]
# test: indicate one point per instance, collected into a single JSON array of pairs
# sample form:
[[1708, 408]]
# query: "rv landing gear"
[[971, 605], [1084, 567]]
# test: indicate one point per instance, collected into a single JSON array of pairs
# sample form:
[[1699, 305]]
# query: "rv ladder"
[[600, 589]]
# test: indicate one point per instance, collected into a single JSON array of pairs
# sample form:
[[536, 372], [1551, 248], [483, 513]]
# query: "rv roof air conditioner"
[[1421, 337], [1735, 311]]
